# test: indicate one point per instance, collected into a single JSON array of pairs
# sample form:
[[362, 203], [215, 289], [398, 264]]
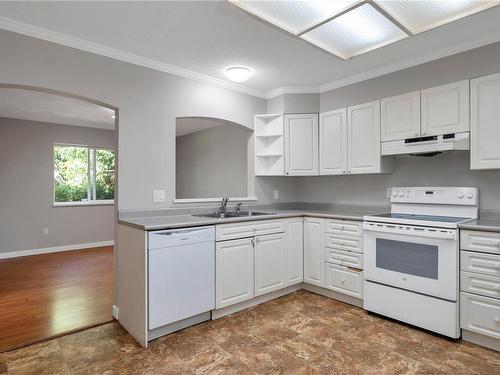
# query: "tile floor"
[[301, 333]]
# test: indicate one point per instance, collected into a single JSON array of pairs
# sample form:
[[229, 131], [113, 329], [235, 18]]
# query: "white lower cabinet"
[[480, 314], [314, 251], [270, 263], [295, 250], [234, 279], [344, 280]]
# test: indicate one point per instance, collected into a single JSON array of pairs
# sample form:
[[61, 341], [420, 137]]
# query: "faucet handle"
[[238, 207]]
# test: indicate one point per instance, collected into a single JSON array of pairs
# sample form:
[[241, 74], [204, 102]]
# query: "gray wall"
[[212, 163], [148, 101], [442, 170], [26, 188], [446, 170], [294, 103]]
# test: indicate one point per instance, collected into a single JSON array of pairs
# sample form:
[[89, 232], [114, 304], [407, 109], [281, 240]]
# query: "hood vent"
[[427, 146]]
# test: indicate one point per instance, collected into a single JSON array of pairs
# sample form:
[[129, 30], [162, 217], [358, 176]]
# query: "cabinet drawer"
[[480, 314], [344, 258], [485, 242], [248, 229], [476, 283], [344, 280], [486, 264], [348, 243], [346, 227]]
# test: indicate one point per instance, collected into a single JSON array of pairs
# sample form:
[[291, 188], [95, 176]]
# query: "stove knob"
[[470, 195], [401, 194], [460, 195], [394, 193]]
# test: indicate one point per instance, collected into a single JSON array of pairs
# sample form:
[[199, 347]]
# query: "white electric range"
[[411, 256]]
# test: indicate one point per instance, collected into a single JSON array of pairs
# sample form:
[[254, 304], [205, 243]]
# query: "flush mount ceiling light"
[[349, 28], [238, 73]]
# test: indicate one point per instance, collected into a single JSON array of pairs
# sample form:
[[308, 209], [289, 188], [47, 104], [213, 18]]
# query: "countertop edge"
[[210, 221], [479, 227]]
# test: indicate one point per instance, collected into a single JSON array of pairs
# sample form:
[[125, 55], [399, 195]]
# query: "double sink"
[[217, 215]]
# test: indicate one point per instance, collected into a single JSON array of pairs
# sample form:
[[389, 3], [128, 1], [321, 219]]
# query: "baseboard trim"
[[482, 340], [55, 249], [224, 311], [334, 295]]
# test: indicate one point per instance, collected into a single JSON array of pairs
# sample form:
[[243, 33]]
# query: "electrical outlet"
[[45, 231], [158, 196], [276, 194]]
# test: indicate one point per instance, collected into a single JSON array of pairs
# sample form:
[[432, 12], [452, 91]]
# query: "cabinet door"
[[485, 122], [301, 145], [234, 279], [314, 252], [400, 117], [445, 109], [363, 133], [333, 142], [295, 250], [270, 263]]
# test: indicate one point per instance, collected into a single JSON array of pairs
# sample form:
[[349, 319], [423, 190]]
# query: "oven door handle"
[[410, 230]]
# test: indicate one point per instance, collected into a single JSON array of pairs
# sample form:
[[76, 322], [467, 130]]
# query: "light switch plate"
[[276, 194], [158, 196]]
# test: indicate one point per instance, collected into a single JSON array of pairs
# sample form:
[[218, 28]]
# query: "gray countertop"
[[187, 220], [486, 224]]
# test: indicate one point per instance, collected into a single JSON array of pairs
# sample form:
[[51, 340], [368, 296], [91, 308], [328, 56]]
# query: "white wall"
[[26, 186], [148, 102]]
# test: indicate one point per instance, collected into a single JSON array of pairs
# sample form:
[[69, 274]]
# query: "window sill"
[[89, 203]]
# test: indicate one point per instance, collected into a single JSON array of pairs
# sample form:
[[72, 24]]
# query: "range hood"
[[427, 146]]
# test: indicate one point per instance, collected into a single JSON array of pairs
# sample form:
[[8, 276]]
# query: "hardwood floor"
[[44, 296]]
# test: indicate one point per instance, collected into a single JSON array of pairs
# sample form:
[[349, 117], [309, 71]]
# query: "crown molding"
[[116, 54], [81, 44], [292, 90]]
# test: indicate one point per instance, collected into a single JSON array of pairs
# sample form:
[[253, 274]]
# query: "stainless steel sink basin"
[[234, 214]]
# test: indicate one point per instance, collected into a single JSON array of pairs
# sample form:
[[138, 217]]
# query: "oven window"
[[408, 258]]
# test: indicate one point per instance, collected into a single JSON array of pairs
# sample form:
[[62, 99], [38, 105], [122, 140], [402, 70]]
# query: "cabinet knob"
[[342, 281]]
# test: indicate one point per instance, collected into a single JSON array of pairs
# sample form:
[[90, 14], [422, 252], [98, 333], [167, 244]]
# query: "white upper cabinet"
[[445, 109], [333, 142], [485, 122], [363, 139], [301, 144], [400, 117]]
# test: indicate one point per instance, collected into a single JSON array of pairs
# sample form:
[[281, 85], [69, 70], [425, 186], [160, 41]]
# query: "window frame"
[[94, 202]]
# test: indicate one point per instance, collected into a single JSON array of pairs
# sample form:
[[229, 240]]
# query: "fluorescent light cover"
[[294, 15], [238, 73], [355, 32], [419, 16]]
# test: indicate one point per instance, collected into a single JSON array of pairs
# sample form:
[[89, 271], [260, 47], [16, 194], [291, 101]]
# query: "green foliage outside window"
[[74, 174]]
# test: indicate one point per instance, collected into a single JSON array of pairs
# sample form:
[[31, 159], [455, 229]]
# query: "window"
[[83, 174]]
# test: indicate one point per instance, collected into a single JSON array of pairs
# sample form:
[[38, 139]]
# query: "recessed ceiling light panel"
[[238, 73], [294, 16], [355, 32], [419, 16]]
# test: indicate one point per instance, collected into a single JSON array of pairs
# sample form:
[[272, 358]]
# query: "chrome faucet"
[[223, 204], [238, 208]]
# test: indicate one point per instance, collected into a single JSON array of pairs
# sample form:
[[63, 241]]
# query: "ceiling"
[[199, 39], [44, 107]]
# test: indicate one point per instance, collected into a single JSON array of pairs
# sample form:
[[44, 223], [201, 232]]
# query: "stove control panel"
[[466, 196]]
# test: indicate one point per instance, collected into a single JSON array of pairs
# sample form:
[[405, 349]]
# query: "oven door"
[[419, 259]]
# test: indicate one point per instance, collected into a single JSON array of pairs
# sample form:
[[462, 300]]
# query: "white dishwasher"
[[181, 274]]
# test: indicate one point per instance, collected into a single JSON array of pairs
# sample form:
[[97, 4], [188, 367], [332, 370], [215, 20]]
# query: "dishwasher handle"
[[177, 237]]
